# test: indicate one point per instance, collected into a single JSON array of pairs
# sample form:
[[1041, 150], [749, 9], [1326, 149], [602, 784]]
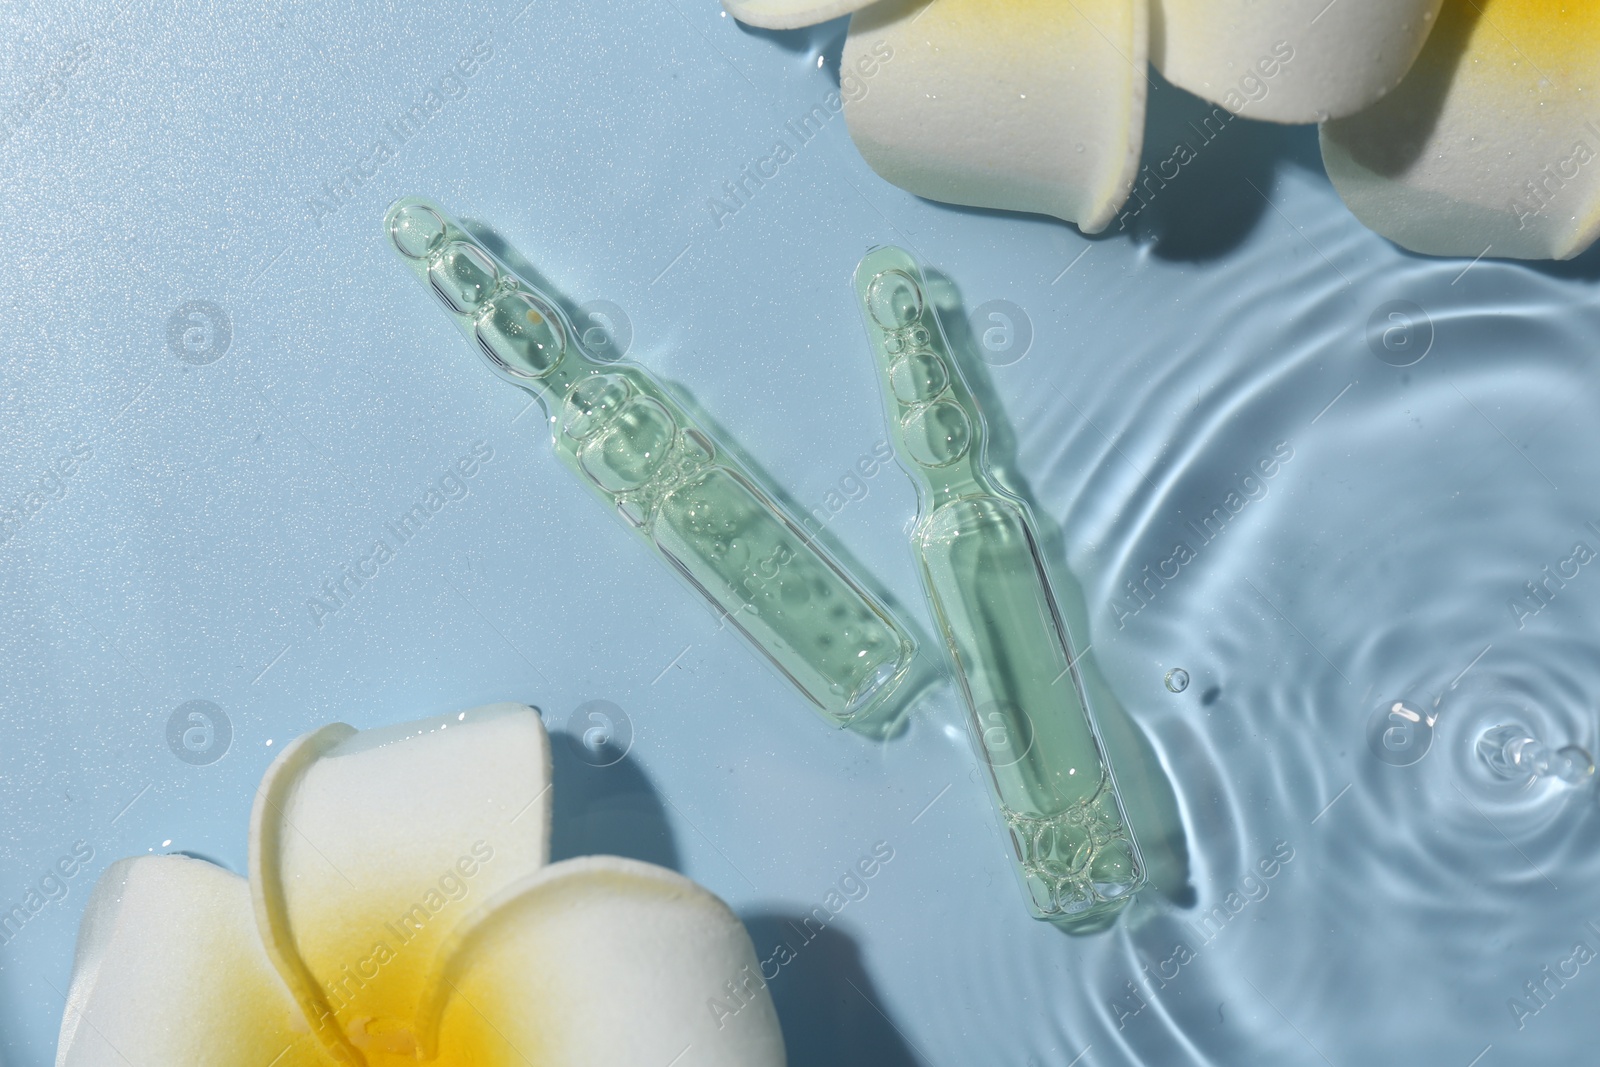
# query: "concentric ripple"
[[1318, 535]]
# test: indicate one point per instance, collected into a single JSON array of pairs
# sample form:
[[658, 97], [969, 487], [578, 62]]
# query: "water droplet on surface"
[[1512, 753], [1177, 680], [1572, 764]]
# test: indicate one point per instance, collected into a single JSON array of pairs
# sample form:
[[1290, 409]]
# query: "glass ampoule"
[[640, 452], [987, 586]]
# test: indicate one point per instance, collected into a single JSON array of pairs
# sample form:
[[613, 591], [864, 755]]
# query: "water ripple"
[[1382, 559]]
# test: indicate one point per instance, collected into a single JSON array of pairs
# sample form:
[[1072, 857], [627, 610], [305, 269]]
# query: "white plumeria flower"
[[1449, 126], [1491, 144], [401, 909]]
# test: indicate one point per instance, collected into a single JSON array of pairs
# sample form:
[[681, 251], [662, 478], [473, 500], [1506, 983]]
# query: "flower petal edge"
[[789, 14], [1289, 61], [1022, 106], [365, 847], [169, 970], [1488, 148], [554, 961]]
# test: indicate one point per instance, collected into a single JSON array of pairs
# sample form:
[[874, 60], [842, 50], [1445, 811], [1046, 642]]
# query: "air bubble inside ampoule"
[[415, 230], [918, 375], [937, 434], [521, 335], [463, 274], [591, 404], [631, 447], [894, 300]]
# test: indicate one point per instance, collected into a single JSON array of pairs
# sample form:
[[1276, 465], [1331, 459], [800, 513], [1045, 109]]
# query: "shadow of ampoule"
[[1147, 795], [830, 1012], [924, 675]]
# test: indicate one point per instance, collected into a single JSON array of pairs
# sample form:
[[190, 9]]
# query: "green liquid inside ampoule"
[[990, 594], [640, 451]]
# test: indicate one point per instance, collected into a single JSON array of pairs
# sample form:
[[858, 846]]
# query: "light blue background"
[[181, 161]]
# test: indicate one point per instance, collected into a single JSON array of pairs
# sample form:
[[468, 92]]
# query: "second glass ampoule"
[[990, 594], [640, 451]]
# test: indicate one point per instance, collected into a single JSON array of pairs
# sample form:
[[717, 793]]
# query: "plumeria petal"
[[602, 960], [1289, 60], [169, 970], [790, 14], [1022, 106], [1492, 143], [367, 848]]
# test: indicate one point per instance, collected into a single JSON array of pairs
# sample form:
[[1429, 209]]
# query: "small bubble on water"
[[1572, 764], [1511, 752], [1177, 679]]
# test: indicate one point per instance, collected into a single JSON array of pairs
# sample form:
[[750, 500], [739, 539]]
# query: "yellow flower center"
[[383, 1042]]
